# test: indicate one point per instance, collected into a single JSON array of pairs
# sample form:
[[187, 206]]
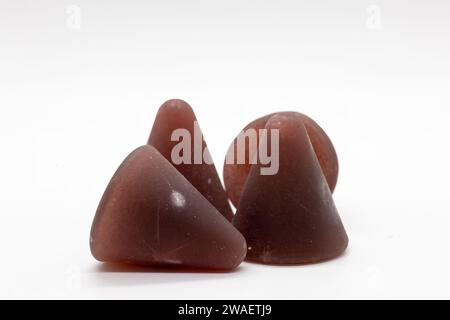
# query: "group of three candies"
[[162, 213]]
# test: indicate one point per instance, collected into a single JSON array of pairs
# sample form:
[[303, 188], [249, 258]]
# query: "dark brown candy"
[[290, 217], [151, 215], [176, 127], [235, 174]]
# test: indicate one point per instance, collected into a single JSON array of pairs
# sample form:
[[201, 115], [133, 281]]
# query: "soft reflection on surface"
[[109, 274]]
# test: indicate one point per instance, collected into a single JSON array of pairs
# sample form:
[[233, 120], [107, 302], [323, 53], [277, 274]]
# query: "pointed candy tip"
[[285, 123], [176, 105]]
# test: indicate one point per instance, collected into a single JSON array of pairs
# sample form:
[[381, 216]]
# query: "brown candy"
[[151, 215], [175, 115], [235, 175], [290, 217]]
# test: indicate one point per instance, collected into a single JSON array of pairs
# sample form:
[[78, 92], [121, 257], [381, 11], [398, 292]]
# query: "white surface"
[[74, 103]]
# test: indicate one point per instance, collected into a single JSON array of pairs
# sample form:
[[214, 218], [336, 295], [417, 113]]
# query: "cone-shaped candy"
[[151, 215], [178, 138], [290, 217], [235, 174]]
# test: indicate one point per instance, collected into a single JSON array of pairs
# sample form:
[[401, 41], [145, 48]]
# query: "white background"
[[75, 102]]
